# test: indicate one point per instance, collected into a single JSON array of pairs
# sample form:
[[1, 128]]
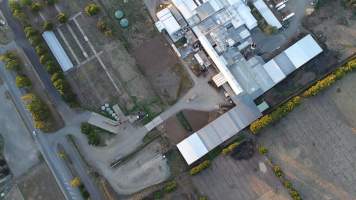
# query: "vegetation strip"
[[41, 114], [287, 107]]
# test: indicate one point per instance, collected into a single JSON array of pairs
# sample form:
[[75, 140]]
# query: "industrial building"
[[223, 30]]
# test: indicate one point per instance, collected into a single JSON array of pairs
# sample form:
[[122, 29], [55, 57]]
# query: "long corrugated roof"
[[303, 51], [267, 14], [57, 50], [223, 128]]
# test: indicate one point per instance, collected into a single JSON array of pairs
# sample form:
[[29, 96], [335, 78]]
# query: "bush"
[[230, 148], [203, 198], [50, 2], [36, 6], [40, 50], [44, 59], [276, 115], [170, 186], [47, 26], [23, 81], [11, 61], [30, 31], [56, 76], [39, 110], [104, 27], [86, 128], [277, 171], [197, 169], [62, 18], [14, 5], [263, 150], [320, 85], [25, 2], [92, 9]]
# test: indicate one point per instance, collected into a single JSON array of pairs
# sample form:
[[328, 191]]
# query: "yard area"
[[229, 179], [315, 145], [336, 25], [34, 185], [154, 56]]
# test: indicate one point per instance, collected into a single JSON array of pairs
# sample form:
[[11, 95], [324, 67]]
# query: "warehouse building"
[[223, 29]]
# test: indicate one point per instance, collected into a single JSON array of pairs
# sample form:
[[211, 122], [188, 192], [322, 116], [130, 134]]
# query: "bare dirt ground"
[[316, 144], [337, 25], [39, 184], [229, 179], [198, 119], [146, 168], [174, 130], [154, 56], [158, 63]]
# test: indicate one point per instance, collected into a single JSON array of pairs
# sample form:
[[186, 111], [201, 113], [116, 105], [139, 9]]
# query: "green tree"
[[18, 14], [61, 85], [23, 81], [92, 9], [56, 76], [51, 67], [47, 26], [25, 2], [36, 6], [50, 2], [13, 65], [14, 5], [40, 50], [62, 18], [30, 31], [44, 59]]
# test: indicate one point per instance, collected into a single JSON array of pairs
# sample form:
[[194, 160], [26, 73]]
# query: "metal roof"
[[223, 128], [274, 71], [57, 50], [303, 51], [192, 148], [267, 14], [168, 21]]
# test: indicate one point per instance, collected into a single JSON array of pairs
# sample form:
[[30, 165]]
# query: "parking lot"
[[316, 144]]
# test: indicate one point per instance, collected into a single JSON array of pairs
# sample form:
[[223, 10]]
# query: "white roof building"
[[57, 50], [303, 51], [169, 23], [267, 14]]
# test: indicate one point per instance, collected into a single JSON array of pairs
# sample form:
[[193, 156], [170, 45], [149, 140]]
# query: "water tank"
[[124, 23], [119, 14]]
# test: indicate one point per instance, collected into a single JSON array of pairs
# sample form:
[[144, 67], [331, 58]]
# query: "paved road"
[[23, 43], [47, 148], [59, 171]]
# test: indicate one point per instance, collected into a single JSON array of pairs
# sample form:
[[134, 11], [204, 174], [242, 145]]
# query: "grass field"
[[316, 144]]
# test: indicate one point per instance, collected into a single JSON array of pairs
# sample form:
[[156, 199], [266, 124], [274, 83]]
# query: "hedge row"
[[197, 169], [276, 115], [230, 148], [321, 85], [331, 79], [40, 112], [51, 66], [286, 183]]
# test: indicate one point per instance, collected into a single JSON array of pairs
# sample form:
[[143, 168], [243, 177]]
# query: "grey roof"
[[57, 50], [221, 129], [284, 63]]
